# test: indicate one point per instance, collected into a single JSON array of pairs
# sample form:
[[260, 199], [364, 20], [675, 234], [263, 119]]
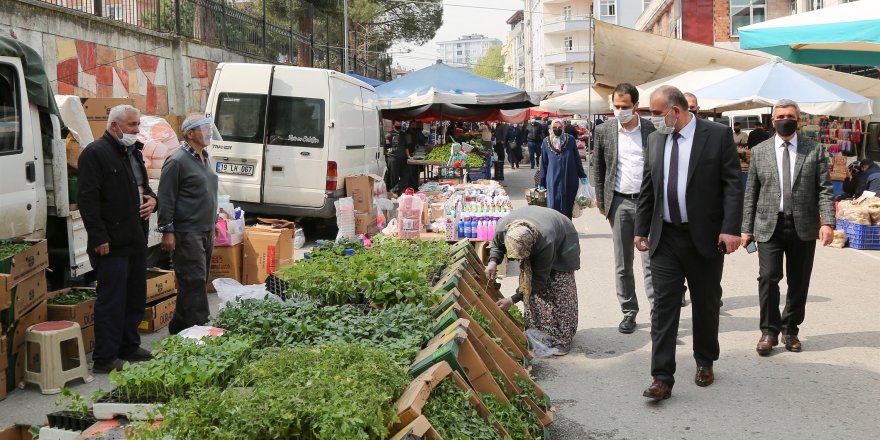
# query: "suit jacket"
[[713, 194], [605, 159], [812, 194]]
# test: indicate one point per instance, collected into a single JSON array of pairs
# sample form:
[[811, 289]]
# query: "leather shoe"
[[628, 325], [658, 390], [107, 367], [139, 355], [792, 343], [766, 344], [704, 376]]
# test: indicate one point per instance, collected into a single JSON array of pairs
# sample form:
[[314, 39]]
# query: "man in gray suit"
[[789, 203], [618, 165]]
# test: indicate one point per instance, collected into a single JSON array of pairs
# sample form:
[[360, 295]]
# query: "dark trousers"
[[192, 261], [798, 268], [534, 153], [398, 174], [119, 309], [676, 260]]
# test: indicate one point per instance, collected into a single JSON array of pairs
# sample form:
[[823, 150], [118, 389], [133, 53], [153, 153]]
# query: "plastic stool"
[[56, 361]]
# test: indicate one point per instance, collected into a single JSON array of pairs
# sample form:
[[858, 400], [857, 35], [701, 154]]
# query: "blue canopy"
[[843, 34], [371, 81], [449, 90]]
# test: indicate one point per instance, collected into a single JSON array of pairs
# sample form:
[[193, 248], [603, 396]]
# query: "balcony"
[[568, 55], [572, 23]]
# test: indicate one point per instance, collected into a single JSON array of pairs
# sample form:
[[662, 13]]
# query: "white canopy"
[[687, 81], [583, 101]]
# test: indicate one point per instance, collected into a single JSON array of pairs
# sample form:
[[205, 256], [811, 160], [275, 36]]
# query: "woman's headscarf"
[[519, 240], [556, 141]]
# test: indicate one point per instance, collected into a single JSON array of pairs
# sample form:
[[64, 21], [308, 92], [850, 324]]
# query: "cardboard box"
[[160, 284], [366, 222], [158, 315], [4, 434], [4, 361], [360, 189], [24, 264], [37, 315], [82, 313], [99, 108], [24, 296], [88, 335], [16, 432], [419, 428], [265, 251], [98, 128], [225, 263]]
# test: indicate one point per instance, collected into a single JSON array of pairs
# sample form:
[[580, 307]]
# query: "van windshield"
[[296, 122], [240, 116]]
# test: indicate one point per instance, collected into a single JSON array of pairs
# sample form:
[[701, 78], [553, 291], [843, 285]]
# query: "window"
[[813, 5], [566, 12], [568, 73], [794, 6], [567, 43], [608, 8], [10, 111], [296, 122], [746, 12], [240, 117], [115, 12]]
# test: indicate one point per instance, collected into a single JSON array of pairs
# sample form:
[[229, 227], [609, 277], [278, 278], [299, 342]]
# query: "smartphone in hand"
[[752, 247]]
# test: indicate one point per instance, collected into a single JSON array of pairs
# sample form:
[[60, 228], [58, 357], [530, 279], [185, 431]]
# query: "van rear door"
[[296, 147], [238, 105], [18, 139], [347, 142], [372, 133]]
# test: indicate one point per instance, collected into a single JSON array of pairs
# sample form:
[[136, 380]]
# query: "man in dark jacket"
[[757, 135], [534, 137], [869, 178], [500, 148], [115, 201]]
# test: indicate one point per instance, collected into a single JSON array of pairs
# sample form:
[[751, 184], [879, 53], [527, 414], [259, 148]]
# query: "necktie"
[[672, 183], [786, 179]]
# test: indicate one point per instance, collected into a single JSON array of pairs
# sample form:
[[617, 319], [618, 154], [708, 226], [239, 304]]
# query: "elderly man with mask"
[[115, 200], [187, 218]]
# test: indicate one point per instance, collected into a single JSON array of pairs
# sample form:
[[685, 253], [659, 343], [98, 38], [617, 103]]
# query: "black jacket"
[[757, 136], [534, 132], [108, 197]]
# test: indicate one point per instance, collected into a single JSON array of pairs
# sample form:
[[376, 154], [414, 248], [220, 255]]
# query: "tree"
[[491, 65]]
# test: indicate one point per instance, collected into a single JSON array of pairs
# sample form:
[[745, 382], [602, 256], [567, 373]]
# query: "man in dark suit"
[[758, 135], [689, 215], [618, 165], [115, 200], [789, 203]]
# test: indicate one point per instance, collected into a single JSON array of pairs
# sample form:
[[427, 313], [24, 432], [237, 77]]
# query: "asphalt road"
[[829, 391]]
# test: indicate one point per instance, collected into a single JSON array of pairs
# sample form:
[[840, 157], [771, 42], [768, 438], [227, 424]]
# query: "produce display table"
[[429, 171]]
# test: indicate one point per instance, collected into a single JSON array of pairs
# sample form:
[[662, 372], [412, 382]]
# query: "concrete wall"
[[96, 57]]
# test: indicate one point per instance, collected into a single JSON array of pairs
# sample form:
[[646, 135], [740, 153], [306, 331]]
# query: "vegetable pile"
[[74, 296], [443, 154], [9, 248]]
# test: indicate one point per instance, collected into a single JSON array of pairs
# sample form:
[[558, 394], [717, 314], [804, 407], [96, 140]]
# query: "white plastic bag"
[[229, 290], [540, 343], [586, 195], [345, 217]]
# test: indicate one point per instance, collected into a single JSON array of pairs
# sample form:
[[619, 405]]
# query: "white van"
[[291, 135]]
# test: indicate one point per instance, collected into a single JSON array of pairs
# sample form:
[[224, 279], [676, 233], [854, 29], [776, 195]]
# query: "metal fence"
[[284, 32]]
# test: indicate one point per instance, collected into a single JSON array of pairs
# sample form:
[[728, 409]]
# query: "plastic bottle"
[[472, 227], [462, 224], [482, 229]]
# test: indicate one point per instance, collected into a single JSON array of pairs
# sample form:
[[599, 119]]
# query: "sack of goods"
[[839, 240], [866, 212], [537, 197]]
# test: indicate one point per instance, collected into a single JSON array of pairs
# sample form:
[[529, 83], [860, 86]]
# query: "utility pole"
[[345, 26]]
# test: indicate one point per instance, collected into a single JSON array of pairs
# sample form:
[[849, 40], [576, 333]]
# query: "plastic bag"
[[345, 217], [299, 238], [586, 195], [159, 140], [221, 236], [540, 343], [229, 290]]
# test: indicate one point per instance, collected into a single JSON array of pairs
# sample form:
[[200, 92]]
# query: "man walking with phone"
[[789, 203]]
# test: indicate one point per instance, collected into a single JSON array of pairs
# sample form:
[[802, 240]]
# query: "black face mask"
[[785, 127], [557, 131]]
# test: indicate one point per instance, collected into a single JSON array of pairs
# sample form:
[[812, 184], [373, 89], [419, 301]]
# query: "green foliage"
[[454, 417], [391, 272], [401, 329], [517, 316], [9, 248], [509, 416], [528, 390], [443, 153], [181, 364], [72, 401], [331, 392], [491, 65], [74, 296]]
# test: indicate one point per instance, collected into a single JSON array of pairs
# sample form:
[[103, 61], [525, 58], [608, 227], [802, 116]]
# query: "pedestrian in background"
[[546, 245], [534, 139], [187, 219], [115, 201], [689, 217], [618, 166], [398, 171], [500, 148], [514, 145], [693, 104], [788, 193], [561, 169], [869, 178], [757, 135]]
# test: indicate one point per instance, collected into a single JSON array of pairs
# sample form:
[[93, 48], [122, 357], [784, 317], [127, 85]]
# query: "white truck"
[[34, 185]]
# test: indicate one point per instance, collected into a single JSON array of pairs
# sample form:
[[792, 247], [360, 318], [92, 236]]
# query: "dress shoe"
[[139, 355], [766, 344], [658, 390], [107, 367], [792, 343], [704, 376], [562, 349], [628, 325], [684, 301]]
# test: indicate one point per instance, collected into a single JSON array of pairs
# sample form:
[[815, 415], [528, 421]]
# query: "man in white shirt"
[[618, 165]]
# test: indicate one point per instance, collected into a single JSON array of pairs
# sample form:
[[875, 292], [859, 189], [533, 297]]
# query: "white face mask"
[[660, 124], [129, 139], [624, 116]]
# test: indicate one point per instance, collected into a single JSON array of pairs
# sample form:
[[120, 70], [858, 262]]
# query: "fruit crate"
[[860, 236]]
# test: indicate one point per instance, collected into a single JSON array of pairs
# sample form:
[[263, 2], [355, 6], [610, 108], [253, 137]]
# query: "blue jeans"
[[534, 153]]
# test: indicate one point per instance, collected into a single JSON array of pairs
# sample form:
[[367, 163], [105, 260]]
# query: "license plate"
[[235, 168]]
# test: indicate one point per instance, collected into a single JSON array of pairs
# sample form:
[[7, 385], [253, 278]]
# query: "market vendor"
[[546, 245], [398, 171]]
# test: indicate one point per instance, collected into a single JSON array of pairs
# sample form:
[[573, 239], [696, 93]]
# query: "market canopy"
[[687, 81], [371, 81], [627, 55], [844, 34], [586, 101], [767, 84], [447, 91]]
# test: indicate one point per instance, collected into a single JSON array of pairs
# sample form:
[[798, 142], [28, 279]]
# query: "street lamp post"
[[345, 26]]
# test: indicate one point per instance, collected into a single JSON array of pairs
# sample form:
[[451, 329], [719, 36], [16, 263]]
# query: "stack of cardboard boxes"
[[98, 109], [22, 304], [82, 313], [360, 189], [161, 300]]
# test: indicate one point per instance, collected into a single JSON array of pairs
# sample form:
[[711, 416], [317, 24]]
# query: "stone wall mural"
[[90, 70], [202, 72]]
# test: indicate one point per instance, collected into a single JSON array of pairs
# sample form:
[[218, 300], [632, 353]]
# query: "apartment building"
[[514, 52], [465, 51]]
